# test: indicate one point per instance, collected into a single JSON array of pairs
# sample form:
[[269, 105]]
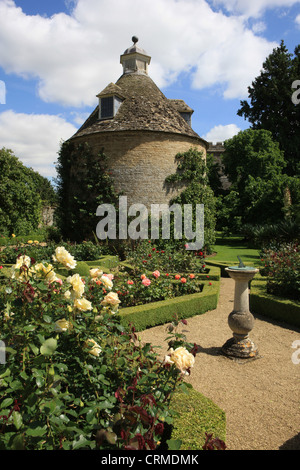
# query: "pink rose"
[[156, 274], [146, 282]]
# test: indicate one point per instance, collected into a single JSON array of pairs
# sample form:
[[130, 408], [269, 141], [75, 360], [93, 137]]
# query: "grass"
[[227, 249]]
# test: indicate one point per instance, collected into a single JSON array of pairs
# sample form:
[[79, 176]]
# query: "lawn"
[[227, 249]]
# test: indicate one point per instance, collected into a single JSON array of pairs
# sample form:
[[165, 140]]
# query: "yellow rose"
[[95, 349], [83, 304], [182, 359], [67, 294], [62, 325], [107, 282], [15, 269], [24, 259], [77, 285], [30, 241], [95, 273], [44, 272], [13, 235], [64, 257], [111, 300]]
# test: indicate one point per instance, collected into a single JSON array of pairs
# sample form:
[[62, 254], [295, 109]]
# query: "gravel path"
[[261, 398]]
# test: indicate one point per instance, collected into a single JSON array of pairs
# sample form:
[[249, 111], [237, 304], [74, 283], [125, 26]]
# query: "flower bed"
[[75, 377]]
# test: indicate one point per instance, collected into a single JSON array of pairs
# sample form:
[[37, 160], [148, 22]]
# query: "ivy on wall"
[[83, 184]]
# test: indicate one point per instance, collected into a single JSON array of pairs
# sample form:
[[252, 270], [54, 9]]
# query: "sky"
[[56, 56]]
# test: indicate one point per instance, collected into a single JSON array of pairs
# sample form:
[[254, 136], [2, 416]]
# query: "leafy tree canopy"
[[271, 106], [22, 194], [260, 192]]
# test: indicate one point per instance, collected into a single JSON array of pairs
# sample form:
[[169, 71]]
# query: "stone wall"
[[216, 150], [139, 162]]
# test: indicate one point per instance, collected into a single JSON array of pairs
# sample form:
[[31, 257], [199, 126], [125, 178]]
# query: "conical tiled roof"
[[144, 108]]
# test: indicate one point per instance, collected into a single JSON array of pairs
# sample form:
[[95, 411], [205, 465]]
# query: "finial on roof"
[[134, 39]]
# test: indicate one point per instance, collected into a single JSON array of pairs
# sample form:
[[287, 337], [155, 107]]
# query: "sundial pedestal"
[[241, 320]]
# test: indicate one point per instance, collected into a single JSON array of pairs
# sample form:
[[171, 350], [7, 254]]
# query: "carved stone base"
[[242, 349]]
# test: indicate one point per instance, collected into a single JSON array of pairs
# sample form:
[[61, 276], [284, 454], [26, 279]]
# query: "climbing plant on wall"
[[83, 184]]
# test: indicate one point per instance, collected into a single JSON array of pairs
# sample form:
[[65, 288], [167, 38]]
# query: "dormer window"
[[183, 109], [110, 101]]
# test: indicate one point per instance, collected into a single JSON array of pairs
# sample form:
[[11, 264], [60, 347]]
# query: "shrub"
[[281, 266], [149, 256], [75, 377]]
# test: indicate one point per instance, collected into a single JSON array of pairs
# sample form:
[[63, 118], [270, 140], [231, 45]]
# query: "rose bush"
[[147, 255], [141, 289], [281, 265], [74, 377]]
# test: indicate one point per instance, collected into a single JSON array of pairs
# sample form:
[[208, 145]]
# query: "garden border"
[[271, 306], [158, 313]]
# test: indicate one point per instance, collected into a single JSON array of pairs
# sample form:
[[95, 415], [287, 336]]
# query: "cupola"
[[135, 59]]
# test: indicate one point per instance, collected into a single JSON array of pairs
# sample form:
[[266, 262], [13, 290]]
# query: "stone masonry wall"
[[140, 161]]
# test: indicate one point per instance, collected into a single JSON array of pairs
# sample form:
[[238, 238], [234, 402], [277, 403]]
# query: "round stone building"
[[140, 131]]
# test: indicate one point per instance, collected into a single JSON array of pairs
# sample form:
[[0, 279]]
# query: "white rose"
[[77, 285], [182, 359], [64, 257], [62, 325], [94, 347], [111, 299], [83, 304], [95, 273], [107, 282]]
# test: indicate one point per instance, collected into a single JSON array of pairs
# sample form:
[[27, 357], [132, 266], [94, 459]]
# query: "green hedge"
[[158, 313], [225, 264], [197, 415], [272, 306]]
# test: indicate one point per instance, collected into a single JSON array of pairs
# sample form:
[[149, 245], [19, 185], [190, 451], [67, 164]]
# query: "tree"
[[21, 193], [83, 184], [191, 175], [254, 164], [271, 106]]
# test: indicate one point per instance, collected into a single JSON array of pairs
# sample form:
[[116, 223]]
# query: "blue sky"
[[56, 56]]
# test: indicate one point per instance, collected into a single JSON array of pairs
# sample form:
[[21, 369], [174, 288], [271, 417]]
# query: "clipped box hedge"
[[157, 313], [277, 308], [197, 415]]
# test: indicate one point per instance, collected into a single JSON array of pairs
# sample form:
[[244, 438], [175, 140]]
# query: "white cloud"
[[252, 8], [34, 138], [220, 133], [75, 56], [297, 20]]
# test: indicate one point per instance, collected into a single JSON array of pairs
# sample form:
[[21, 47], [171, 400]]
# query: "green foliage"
[[282, 269], [273, 306], [191, 174], [83, 184], [271, 105], [85, 251], [22, 192], [75, 377], [254, 164]]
